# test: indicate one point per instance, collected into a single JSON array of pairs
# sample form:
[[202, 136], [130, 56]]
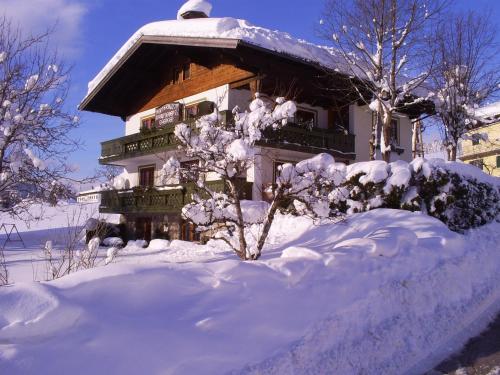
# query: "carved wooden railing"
[[161, 200], [291, 136], [294, 136]]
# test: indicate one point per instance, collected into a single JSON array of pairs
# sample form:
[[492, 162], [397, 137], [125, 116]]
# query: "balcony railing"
[[160, 200], [143, 143], [294, 136], [291, 136]]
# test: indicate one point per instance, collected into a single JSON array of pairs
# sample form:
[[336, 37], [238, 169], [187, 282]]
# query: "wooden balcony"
[[158, 200], [139, 144], [290, 137], [317, 140]]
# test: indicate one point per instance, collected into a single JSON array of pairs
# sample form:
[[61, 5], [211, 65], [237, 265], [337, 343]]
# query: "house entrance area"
[[143, 226]]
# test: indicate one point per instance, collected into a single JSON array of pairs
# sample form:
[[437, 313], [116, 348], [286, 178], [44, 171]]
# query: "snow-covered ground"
[[385, 292]]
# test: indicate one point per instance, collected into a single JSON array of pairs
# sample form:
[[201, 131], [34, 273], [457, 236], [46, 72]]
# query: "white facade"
[[360, 122], [262, 173]]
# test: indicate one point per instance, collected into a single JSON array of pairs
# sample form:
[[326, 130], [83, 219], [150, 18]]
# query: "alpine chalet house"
[[175, 71]]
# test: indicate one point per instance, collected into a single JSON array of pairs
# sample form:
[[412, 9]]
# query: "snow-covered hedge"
[[458, 194]]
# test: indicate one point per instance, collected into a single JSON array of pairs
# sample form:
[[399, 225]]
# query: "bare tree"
[[108, 173], [467, 73], [381, 46], [35, 128]]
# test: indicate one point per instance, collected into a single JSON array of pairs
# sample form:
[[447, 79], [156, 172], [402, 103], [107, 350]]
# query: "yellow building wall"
[[486, 151]]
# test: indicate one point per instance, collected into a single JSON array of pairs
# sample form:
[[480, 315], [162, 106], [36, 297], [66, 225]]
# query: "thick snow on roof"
[[491, 110], [224, 28], [195, 6]]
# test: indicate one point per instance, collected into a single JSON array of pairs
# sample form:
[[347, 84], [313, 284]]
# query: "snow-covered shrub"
[[460, 195], [111, 254], [458, 200], [113, 242]]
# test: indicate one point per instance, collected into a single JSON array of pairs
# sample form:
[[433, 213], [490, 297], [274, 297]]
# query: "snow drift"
[[379, 293]]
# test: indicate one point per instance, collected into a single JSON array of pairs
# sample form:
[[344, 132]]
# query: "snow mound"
[[300, 252], [29, 310], [113, 242], [136, 244], [159, 244], [195, 6], [378, 293]]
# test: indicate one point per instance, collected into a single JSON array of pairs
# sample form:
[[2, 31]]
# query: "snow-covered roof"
[[204, 31], [200, 6], [489, 111]]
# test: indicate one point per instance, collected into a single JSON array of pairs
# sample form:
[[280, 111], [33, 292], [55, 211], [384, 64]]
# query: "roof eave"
[[167, 40]]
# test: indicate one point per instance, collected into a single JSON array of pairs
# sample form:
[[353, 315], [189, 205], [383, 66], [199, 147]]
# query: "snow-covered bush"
[[459, 195], [113, 242]]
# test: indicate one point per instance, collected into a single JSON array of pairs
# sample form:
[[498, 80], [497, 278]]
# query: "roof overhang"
[[166, 40]]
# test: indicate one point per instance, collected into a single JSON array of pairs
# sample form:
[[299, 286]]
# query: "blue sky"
[[89, 32]]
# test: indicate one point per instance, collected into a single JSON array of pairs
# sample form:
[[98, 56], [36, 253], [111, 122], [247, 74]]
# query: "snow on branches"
[[466, 75], [34, 125], [384, 52], [225, 153]]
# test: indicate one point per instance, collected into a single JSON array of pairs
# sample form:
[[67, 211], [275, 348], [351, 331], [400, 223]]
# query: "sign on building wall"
[[168, 114]]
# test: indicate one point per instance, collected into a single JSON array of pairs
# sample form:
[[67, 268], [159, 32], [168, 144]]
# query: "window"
[[148, 123], [186, 71], [498, 161], [475, 140], [339, 119], [190, 111], [176, 75], [478, 163], [189, 232], [305, 118], [395, 131], [147, 176]]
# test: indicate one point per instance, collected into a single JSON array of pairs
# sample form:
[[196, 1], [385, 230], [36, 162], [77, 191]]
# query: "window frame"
[[192, 104], [145, 118], [144, 167], [397, 121], [303, 109], [184, 70]]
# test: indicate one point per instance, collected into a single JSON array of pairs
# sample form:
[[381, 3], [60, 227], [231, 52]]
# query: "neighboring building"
[[481, 146], [90, 196], [174, 71]]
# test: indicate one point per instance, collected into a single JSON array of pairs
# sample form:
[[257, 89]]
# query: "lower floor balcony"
[[159, 200]]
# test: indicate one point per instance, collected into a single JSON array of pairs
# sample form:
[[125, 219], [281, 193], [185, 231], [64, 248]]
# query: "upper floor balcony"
[[292, 137]]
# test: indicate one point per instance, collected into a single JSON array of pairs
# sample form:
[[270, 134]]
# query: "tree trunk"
[[267, 223], [386, 130], [452, 153], [240, 227], [374, 136]]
